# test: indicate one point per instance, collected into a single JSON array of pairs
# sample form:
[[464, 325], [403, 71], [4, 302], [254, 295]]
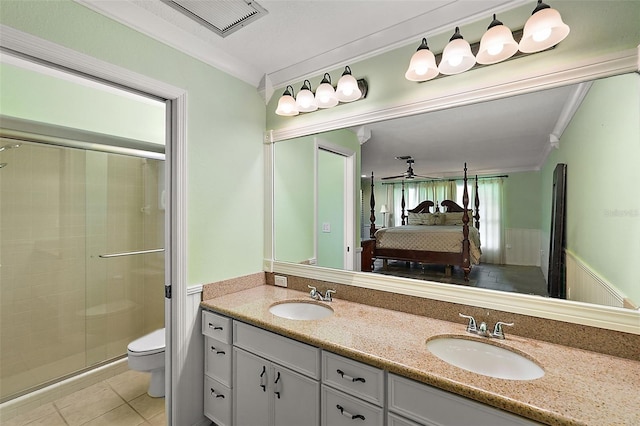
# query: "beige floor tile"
[[158, 420], [148, 407], [46, 411], [88, 404], [121, 416], [131, 384]]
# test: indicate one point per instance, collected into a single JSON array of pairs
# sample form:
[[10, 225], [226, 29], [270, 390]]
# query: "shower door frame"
[[44, 51]]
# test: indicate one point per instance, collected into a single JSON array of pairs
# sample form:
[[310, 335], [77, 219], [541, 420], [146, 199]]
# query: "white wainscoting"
[[522, 246], [584, 285], [191, 382]]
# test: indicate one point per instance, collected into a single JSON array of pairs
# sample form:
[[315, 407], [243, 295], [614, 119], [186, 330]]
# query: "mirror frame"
[[578, 71]]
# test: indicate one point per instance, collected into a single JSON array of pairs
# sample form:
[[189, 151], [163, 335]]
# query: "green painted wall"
[[601, 148], [294, 192], [522, 198], [50, 99], [224, 131], [331, 176], [294, 195]]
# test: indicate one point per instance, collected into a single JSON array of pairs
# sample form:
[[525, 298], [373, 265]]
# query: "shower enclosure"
[[81, 260]]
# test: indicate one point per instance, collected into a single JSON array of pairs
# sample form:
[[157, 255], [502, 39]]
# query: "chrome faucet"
[[482, 330], [317, 295]]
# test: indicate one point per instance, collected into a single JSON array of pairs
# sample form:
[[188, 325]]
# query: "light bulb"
[[421, 69], [541, 35], [456, 60], [495, 49]]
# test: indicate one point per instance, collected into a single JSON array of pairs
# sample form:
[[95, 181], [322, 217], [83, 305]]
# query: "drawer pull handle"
[[213, 349], [353, 416], [215, 327], [347, 377], [263, 379], [278, 386], [213, 392]]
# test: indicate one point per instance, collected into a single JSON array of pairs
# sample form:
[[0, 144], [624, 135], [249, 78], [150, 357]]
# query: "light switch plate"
[[326, 227]]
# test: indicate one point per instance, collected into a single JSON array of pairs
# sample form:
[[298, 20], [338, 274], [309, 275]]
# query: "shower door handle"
[[130, 253]]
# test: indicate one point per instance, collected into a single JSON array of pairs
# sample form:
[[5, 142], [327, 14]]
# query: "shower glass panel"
[[64, 308]]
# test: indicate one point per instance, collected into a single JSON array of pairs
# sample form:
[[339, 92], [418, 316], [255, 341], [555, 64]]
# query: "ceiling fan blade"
[[428, 177], [393, 177]]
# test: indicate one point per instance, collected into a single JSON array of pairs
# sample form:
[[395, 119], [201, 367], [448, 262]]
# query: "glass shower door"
[[65, 309]]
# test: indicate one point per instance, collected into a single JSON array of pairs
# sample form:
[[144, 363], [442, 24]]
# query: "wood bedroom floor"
[[513, 278]]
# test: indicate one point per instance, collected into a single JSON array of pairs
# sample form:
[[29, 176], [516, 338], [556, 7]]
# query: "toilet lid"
[[150, 342]]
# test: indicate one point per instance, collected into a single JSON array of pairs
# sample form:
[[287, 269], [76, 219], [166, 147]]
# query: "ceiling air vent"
[[222, 17]]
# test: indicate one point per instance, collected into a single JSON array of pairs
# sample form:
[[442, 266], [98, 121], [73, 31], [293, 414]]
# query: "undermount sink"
[[484, 358], [297, 310]]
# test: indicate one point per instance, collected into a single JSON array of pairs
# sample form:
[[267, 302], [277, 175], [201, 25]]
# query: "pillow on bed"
[[439, 218], [456, 218], [420, 219]]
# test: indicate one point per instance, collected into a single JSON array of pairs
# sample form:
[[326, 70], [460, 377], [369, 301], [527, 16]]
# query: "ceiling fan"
[[409, 174]]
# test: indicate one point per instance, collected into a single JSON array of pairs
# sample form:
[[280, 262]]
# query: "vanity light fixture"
[[325, 94], [456, 56], [543, 29], [305, 100], [497, 44], [287, 104], [349, 89], [422, 66]]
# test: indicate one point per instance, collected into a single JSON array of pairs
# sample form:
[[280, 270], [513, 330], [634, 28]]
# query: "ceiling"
[[297, 39], [505, 135]]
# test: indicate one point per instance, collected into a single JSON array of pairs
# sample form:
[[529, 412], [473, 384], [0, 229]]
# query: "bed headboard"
[[423, 207]]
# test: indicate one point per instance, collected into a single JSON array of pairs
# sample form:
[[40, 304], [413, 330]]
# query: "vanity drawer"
[[340, 409], [427, 405], [216, 326], [396, 420], [217, 402], [353, 377], [217, 360], [295, 355]]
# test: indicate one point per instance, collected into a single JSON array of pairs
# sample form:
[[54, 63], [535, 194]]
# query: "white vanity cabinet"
[[276, 379], [352, 392], [217, 331], [411, 403]]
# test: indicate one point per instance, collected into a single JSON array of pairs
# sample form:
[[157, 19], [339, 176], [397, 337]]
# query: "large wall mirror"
[[593, 127]]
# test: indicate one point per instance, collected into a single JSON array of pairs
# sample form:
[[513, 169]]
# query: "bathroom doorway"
[[83, 214]]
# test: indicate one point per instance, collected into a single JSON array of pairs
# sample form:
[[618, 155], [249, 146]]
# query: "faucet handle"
[[327, 295], [314, 292], [471, 327], [497, 329]]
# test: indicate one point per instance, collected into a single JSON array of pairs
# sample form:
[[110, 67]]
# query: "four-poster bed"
[[452, 242]]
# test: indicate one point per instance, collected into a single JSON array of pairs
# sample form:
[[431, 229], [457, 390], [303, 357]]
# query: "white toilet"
[[147, 354]]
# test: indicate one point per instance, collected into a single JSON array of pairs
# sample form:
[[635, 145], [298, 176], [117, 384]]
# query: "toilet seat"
[[149, 344]]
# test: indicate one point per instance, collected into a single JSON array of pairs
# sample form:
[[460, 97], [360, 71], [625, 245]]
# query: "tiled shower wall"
[[63, 308]]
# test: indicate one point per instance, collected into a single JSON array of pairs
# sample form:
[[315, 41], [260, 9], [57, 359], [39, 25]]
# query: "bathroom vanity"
[[371, 366]]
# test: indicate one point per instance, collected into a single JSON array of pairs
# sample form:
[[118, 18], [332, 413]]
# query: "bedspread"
[[438, 238]]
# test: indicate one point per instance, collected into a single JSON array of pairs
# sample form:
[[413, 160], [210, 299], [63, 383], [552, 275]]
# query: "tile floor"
[[121, 400], [511, 278]]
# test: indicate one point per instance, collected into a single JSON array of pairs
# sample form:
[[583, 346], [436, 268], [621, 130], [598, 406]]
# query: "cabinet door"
[[252, 391], [296, 399]]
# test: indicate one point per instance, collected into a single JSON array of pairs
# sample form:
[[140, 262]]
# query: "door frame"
[[349, 214], [33, 48]]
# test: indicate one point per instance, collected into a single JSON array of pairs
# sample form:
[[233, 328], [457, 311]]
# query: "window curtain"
[[415, 193], [491, 218]]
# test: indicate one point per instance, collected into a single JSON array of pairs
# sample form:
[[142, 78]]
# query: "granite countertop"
[[579, 387]]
